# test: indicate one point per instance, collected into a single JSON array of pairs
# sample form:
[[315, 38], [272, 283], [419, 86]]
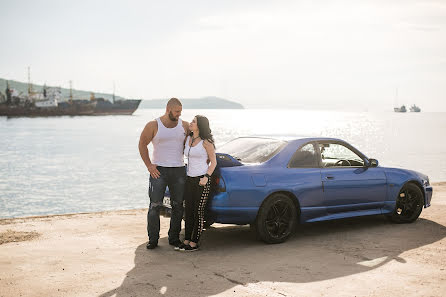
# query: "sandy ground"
[[104, 254]]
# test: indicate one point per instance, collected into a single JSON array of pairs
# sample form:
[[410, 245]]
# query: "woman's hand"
[[203, 181]]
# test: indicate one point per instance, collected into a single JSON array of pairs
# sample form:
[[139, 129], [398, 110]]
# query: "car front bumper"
[[428, 191]]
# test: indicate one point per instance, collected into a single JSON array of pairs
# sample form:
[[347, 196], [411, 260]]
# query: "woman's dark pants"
[[196, 197]]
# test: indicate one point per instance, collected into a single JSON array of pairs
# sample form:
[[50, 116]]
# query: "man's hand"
[[153, 171]]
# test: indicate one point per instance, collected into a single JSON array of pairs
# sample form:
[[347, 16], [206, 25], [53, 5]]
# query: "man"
[[167, 134]]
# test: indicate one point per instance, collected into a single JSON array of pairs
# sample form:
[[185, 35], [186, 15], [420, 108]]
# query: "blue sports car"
[[273, 184]]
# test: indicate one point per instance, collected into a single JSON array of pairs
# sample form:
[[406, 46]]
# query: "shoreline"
[[2, 220]]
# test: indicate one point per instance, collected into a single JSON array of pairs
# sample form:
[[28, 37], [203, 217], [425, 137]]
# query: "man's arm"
[[146, 137], [186, 130], [186, 127]]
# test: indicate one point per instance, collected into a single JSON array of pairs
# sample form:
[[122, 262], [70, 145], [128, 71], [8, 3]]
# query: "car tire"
[[276, 219], [408, 205]]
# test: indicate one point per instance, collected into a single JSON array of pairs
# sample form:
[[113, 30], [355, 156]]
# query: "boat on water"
[[43, 104], [49, 103], [400, 109], [74, 108], [115, 107], [414, 108]]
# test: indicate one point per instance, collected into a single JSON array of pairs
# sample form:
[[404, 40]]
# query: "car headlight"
[[426, 182]]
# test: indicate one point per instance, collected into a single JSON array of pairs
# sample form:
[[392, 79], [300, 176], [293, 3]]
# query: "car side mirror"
[[373, 163]]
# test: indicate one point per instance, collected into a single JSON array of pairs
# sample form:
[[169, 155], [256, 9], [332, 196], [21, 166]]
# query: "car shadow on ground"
[[231, 256]]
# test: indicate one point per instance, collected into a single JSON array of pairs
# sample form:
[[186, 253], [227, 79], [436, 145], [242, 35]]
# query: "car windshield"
[[252, 150]]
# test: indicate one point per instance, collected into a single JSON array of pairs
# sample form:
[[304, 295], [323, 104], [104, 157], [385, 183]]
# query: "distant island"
[[209, 102]]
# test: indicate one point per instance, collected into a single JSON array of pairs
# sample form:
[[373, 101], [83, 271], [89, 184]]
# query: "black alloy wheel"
[[276, 219], [409, 204]]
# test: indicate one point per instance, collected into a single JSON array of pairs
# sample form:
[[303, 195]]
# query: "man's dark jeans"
[[174, 178]]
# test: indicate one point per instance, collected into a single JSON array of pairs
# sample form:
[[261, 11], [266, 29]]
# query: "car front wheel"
[[276, 219], [409, 204]]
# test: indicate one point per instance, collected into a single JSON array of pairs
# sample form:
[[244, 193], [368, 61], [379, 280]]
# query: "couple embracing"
[[174, 139]]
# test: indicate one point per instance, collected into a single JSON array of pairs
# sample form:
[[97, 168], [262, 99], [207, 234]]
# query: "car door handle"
[[329, 177]]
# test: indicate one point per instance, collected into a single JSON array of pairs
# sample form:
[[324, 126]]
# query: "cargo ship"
[[43, 104], [74, 108], [117, 107], [49, 103]]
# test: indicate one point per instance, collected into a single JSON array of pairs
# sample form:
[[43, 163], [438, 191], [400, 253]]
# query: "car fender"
[[397, 178]]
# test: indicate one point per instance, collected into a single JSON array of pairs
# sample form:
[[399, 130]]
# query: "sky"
[[345, 55]]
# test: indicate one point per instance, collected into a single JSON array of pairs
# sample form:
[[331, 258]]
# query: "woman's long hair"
[[205, 131]]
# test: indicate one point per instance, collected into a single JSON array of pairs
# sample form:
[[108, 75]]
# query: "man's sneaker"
[[188, 248], [151, 246], [176, 244], [180, 246]]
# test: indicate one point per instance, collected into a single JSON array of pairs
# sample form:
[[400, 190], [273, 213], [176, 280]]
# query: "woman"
[[199, 150]]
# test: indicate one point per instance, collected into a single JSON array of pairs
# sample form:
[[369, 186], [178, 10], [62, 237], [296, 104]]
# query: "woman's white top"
[[197, 158], [168, 145]]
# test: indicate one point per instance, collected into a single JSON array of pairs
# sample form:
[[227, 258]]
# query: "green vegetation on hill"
[[77, 94], [201, 103]]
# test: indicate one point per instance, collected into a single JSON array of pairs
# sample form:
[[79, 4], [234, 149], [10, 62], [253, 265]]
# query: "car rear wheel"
[[276, 219], [409, 204]]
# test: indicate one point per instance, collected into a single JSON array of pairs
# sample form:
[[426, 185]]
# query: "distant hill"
[[189, 103], [77, 94]]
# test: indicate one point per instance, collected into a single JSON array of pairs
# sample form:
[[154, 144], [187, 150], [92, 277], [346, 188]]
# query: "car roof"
[[308, 139], [295, 139]]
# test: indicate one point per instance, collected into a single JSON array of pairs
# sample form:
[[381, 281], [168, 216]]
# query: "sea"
[[60, 165]]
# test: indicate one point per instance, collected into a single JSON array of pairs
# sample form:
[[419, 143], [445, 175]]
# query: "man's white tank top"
[[196, 159], [168, 145]]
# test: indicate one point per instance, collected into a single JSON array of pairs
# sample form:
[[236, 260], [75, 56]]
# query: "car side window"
[[305, 157], [337, 155]]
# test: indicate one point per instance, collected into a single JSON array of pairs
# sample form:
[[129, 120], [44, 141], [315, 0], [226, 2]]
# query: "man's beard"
[[171, 117]]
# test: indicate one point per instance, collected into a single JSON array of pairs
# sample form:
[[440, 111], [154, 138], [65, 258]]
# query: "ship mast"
[[71, 92], [8, 92], [113, 92], [30, 86]]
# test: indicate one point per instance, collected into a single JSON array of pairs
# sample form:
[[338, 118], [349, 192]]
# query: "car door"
[[349, 185], [304, 178]]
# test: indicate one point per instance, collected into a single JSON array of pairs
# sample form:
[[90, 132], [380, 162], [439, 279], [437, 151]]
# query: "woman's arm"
[[209, 147], [211, 156]]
